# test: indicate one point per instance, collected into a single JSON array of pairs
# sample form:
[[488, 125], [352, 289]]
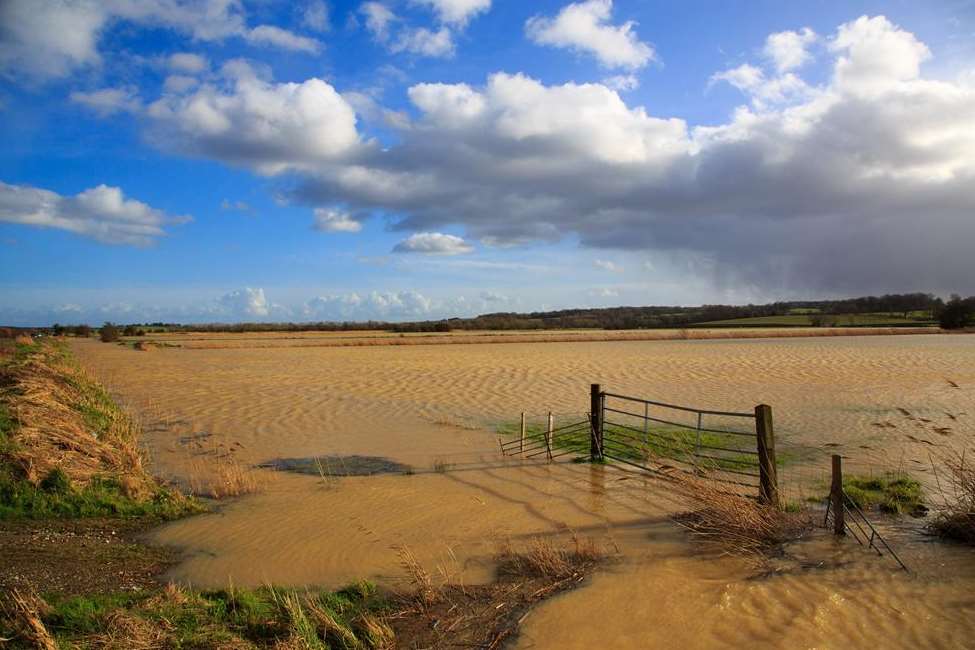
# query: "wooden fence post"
[[548, 434], [836, 496], [522, 447], [596, 419], [768, 489]]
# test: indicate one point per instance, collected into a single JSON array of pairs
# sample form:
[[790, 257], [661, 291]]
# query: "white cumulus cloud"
[[257, 123], [585, 27], [101, 212], [376, 305], [245, 303]]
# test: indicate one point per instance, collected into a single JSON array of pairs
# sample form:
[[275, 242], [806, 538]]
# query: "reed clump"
[[546, 558], [452, 614], [734, 523], [955, 520]]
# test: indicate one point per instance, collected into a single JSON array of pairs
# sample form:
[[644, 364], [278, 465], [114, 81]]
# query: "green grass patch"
[[178, 618], [891, 493], [55, 497]]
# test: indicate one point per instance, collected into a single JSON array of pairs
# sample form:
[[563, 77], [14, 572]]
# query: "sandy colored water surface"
[[435, 408]]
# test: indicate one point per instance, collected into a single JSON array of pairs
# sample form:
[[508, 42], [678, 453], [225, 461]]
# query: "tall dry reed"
[[956, 518]]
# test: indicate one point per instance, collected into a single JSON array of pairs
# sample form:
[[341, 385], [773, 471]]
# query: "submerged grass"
[[892, 493], [702, 449], [101, 497]]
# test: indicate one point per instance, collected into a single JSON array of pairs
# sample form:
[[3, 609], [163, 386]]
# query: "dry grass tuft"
[[735, 523], [145, 346], [125, 631], [424, 593], [221, 478], [24, 339], [25, 610], [378, 634], [545, 558]]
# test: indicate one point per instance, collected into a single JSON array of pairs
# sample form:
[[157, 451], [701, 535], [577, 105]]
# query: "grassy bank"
[[66, 448], [174, 617]]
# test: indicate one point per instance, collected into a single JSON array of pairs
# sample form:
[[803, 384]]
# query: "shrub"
[[957, 313], [109, 333]]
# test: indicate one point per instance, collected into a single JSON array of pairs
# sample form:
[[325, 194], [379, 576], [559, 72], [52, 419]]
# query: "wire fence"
[[721, 444]]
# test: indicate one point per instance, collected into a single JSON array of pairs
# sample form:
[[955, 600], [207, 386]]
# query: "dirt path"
[[80, 556]]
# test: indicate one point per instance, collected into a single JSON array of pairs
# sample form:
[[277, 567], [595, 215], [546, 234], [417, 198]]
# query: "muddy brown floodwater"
[[434, 408]]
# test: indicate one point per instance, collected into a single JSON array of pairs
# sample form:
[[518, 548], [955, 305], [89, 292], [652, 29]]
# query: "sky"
[[263, 160]]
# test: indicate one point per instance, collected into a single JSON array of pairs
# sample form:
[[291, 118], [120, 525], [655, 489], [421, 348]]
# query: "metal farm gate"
[[736, 449]]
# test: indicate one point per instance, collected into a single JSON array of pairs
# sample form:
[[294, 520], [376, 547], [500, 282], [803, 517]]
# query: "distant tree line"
[[955, 313]]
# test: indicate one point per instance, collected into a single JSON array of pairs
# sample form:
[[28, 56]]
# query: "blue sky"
[[225, 160]]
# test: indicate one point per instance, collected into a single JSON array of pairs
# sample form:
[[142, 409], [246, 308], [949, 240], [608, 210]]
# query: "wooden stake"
[[596, 420], [836, 496], [522, 449], [768, 488], [548, 434]]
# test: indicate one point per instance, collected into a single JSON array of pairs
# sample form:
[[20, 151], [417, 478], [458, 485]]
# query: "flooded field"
[[431, 411]]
